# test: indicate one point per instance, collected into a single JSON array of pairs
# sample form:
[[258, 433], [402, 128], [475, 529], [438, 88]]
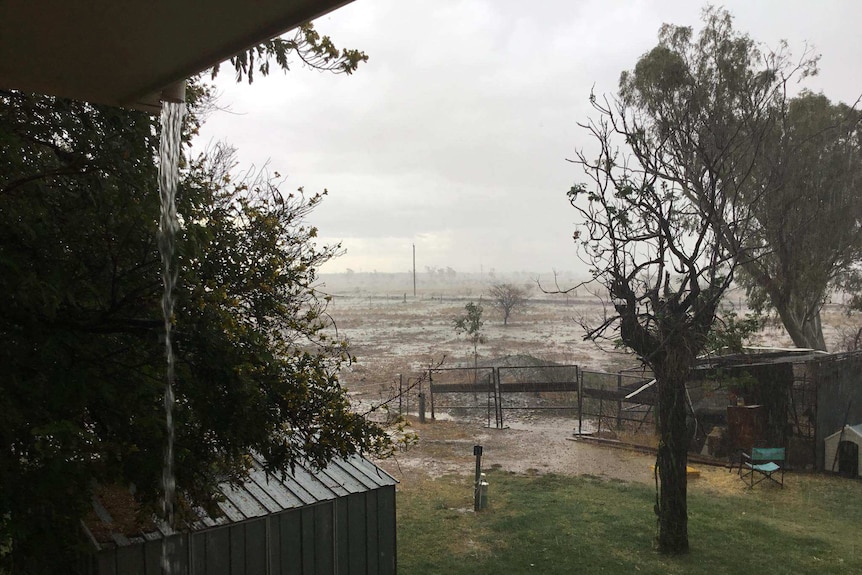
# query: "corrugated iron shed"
[[262, 494]]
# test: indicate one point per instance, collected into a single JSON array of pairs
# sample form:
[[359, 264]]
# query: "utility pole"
[[414, 270]]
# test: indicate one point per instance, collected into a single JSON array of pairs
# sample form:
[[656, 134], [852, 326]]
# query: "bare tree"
[[665, 267], [507, 298], [664, 228]]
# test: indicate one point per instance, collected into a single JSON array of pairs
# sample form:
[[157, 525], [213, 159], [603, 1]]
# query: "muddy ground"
[[536, 447], [395, 336], [548, 446]]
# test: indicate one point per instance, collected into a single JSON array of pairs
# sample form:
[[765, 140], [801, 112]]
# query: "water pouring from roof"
[[170, 147]]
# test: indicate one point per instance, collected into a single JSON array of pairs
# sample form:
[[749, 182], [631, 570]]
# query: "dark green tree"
[[715, 106], [850, 336], [79, 272], [80, 320], [811, 223]]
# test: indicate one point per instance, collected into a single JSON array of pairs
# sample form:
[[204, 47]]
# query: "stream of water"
[[169, 159]]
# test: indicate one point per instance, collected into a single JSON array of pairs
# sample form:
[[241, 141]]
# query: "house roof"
[[127, 53], [262, 494]]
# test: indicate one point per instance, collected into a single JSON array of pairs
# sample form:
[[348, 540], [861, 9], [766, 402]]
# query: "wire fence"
[[602, 400], [618, 401], [817, 397]]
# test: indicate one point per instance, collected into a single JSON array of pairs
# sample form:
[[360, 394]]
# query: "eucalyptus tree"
[[306, 43], [812, 224], [716, 107]]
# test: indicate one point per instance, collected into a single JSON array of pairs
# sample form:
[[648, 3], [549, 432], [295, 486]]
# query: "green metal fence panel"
[[198, 554], [106, 563], [273, 540], [237, 549], [218, 552], [130, 560], [255, 548], [153, 556]]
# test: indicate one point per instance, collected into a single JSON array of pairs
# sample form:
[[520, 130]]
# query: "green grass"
[[560, 525]]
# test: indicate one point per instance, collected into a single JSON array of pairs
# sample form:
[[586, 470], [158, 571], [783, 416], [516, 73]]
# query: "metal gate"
[[611, 399]]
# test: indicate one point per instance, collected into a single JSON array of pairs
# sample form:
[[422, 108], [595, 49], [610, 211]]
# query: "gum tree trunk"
[[671, 507], [804, 329]]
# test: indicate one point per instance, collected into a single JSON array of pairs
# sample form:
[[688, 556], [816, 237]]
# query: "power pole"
[[414, 270]]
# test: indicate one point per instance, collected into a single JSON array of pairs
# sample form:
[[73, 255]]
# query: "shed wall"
[[350, 535]]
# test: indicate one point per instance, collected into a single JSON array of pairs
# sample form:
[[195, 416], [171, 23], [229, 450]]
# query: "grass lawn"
[[557, 524]]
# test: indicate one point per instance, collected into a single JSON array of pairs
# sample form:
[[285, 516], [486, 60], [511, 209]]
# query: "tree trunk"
[[800, 314], [475, 372], [806, 332], [672, 509]]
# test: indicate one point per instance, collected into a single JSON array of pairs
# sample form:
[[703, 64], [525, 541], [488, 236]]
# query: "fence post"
[[431, 391], [407, 398], [400, 393], [580, 377], [488, 406], [498, 397], [477, 451], [601, 413]]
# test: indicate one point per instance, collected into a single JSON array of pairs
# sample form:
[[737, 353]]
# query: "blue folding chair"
[[763, 463]]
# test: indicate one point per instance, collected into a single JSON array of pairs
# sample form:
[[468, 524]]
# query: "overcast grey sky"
[[453, 136]]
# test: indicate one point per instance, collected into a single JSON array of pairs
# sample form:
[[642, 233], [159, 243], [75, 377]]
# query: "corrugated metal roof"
[[264, 494], [753, 355]]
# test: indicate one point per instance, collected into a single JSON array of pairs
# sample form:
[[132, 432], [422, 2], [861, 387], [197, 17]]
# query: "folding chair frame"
[[763, 463]]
